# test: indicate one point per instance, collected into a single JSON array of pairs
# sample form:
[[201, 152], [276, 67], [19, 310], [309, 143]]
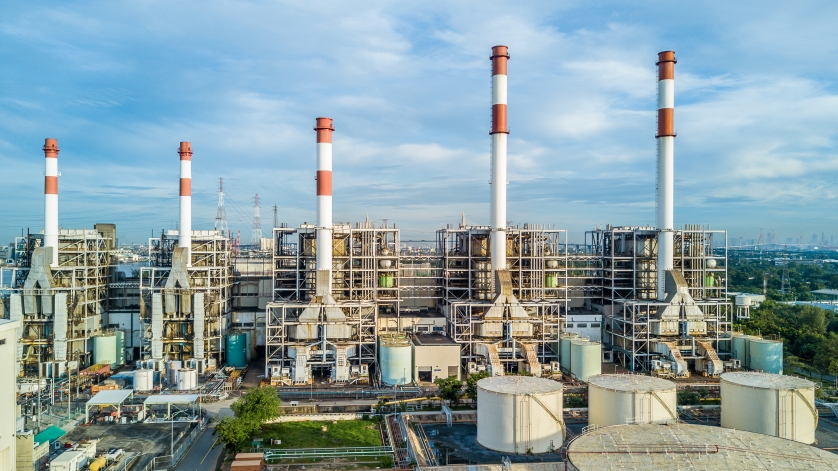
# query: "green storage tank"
[[385, 280], [564, 349], [767, 355], [236, 345]]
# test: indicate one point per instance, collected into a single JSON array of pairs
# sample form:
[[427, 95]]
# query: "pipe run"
[[51, 198], [499, 133], [185, 224], [666, 166], [323, 257]]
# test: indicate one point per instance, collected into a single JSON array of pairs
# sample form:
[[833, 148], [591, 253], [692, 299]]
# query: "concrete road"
[[203, 456]]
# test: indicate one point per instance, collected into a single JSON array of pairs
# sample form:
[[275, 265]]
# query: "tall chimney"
[[500, 56], [185, 226], [51, 198], [666, 173], [324, 196]]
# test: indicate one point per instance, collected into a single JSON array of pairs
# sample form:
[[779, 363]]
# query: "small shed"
[[113, 398]]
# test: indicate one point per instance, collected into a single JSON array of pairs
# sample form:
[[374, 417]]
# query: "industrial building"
[[8, 415]]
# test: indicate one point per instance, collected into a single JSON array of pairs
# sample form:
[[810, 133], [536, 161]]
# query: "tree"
[[471, 383], [450, 389], [252, 410]]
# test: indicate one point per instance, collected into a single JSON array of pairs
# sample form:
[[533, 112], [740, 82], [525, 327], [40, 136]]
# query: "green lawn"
[[343, 433]]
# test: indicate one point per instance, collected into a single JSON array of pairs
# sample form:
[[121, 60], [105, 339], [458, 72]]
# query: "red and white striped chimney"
[[185, 225], [666, 165], [500, 56], [323, 257], [51, 198]]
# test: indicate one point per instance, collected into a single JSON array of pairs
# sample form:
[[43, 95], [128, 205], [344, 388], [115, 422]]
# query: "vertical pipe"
[[185, 225], [500, 56], [51, 198], [666, 155], [324, 195]]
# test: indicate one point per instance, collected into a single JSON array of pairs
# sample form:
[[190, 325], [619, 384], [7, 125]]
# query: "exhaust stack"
[[51, 198], [323, 258], [185, 225], [666, 175], [500, 56]]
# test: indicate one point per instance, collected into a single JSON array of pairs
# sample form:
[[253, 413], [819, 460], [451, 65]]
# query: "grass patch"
[[343, 433]]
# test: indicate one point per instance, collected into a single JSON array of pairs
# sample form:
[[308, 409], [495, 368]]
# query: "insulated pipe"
[[666, 173], [51, 198], [185, 226], [324, 195], [500, 56]]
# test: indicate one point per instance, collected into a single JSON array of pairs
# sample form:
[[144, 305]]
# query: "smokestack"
[[324, 196], [500, 56], [185, 226], [51, 198], [666, 155]]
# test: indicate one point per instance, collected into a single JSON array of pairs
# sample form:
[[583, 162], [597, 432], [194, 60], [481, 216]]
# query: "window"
[[569, 326], [453, 371], [595, 325], [582, 325]]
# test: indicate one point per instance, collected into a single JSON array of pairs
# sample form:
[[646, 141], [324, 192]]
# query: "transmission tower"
[[276, 217], [761, 239], [256, 238], [221, 214]]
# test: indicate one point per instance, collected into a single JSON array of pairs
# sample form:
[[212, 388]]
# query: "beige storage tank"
[[782, 406], [653, 447], [630, 399], [520, 414], [143, 380]]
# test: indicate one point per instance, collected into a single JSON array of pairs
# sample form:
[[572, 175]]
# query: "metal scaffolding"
[[185, 307]]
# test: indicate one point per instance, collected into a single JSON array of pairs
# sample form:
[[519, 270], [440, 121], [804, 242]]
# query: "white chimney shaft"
[[500, 131], [51, 198], [666, 158], [185, 225], [324, 195]]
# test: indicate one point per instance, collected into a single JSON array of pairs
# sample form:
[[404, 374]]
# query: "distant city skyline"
[[120, 83]]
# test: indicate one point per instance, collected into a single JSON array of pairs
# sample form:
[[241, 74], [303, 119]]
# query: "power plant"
[[345, 306]]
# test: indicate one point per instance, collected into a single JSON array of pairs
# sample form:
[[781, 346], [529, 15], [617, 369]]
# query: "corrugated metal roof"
[[51, 434], [172, 399], [110, 398]]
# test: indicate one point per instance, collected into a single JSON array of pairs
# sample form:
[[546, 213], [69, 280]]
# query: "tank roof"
[[519, 385], [394, 341], [685, 446], [760, 339], [630, 383], [767, 380]]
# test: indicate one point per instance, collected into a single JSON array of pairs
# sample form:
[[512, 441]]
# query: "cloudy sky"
[[120, 83]]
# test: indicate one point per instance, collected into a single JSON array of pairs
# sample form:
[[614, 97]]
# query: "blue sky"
[[120, 83]]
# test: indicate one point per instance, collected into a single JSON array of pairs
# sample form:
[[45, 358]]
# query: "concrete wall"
[[8, 421], [437, 359]]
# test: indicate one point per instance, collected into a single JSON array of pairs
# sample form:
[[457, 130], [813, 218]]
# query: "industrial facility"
[[342, 304]]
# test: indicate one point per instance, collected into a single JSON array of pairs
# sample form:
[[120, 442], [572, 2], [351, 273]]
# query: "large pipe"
[[185, 226], [500, 56], [666, 174], [51, 198], [324, 195]]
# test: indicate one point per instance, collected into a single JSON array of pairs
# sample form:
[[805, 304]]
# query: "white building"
[[8, 370], [585, 325]]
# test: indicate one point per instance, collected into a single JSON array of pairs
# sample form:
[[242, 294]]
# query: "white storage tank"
[[143, 379], [585, 359], [520, 414], [630, 399], [104, 349], [187, 379], [777, 405], [395, 360]]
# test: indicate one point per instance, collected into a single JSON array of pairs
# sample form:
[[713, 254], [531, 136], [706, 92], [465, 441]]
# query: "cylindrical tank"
[[143, 379], [104, 349], [585, 359], [519, 414], [564, 349], [172, 368], [187, 379], [120, 347], [740, 345], [395, 360], [766, 355], [743, 300], [782, 406], [236, 345], [98, 464], [624, 399]]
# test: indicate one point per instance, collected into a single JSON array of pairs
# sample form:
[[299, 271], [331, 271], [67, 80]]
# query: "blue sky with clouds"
[[120, 83]]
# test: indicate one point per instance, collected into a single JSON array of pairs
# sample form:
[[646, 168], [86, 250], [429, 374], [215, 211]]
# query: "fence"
[[166, 462]]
